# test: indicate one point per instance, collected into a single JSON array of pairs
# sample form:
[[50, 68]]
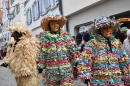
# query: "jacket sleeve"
[[124, 63], [73, 51], [42, 57], [31, 51], [85, 64]]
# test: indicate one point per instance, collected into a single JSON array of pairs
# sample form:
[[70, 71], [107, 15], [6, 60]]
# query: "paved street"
[[6, 79]]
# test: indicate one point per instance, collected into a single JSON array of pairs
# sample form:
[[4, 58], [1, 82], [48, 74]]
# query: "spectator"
[[127, 43]]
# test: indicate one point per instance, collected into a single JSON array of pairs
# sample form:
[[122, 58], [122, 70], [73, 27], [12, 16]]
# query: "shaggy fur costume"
[[23, 60]]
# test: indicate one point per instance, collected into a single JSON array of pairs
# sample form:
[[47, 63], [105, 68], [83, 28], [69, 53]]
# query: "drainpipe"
[[60, 7]]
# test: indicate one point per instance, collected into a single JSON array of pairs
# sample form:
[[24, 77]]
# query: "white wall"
[[107, 8], [71, 6]]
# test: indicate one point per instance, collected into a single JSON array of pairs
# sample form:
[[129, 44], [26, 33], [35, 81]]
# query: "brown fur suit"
[[23, 60]]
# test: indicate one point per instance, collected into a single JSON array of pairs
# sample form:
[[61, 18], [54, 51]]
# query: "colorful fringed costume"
[[22, 58], [59, 53], [104, 61]]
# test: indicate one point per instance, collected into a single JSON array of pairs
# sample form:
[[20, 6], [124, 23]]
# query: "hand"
[[4, 64]]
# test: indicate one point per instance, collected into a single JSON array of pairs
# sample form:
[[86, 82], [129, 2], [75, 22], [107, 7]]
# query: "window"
[[28, 16], [17, 7]]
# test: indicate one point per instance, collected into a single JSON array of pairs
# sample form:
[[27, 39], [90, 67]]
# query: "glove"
[[4, 64], [87, 81], [40, 69]]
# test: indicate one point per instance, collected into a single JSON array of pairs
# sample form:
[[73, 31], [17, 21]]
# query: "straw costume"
[[22, 57], [59, 53], [104, 61], [10, 44]]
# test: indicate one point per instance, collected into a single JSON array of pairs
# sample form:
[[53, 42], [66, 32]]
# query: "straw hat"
[[18, 27], [52, 17]]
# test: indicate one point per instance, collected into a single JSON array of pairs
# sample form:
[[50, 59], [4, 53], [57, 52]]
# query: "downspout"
[[61, 12]]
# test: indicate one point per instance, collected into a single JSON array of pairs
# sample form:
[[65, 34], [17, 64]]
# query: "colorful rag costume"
[[22, 57], [105, 64], [59, 53]]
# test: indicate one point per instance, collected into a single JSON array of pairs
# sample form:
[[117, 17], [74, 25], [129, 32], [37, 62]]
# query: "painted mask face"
[[54, 25], [106, 32]]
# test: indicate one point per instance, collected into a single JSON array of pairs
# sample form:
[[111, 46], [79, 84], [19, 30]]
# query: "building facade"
[[5, 22], [36, 10], [81, 14]]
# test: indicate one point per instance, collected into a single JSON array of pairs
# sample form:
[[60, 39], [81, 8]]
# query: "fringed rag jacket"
[[58, 56], [104, 63]]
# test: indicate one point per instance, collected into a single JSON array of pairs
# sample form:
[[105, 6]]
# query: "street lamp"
[[10, 17]]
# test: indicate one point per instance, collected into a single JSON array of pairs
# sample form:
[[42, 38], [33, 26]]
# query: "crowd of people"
[[100, 60]]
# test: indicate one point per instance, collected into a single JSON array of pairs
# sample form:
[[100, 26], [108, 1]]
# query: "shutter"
[[57, 2], [40, 6], [33, 14], [48, 5], [30, 15], [38, 10], [27, 17]]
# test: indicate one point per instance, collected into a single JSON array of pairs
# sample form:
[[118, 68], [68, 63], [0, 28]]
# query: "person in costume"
[[127, 43], [23, 56], [104, 59], [59, 52], [9, 47]]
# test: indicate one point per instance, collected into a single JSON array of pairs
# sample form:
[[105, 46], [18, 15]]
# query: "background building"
[[5, 22], [36, 10], [1, 36], [81, 14]]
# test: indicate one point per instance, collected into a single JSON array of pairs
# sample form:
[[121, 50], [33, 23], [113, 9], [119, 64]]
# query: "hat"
[[18, 27], [86, 37], [123, 29], [105, 21], [52, 17]]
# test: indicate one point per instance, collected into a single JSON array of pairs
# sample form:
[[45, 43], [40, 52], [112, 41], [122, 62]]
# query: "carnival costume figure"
[[22, 57], [59, 52], [104, 60]]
